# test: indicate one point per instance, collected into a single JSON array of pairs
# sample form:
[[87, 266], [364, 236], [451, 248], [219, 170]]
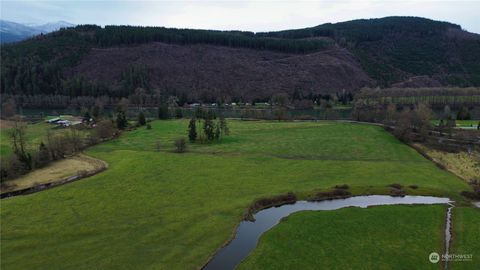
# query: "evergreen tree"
[[218, 133], [208, 129], [223, 126], [463, 114], [122, 122], [163, 111], [141, 119], [447, 113], [95, 112], [199, 113], [211, 115], [43, 157], [178, 113], [192, 130], [86, 117]]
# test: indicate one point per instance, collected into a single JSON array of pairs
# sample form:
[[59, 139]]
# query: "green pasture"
[[380, 237], [466, 236], [35, 133], [163, 210]]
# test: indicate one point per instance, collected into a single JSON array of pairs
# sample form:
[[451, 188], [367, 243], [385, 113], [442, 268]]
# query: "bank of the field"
[[466, 233], [162, 210], [57, 171], [463, 164], [380, 237]]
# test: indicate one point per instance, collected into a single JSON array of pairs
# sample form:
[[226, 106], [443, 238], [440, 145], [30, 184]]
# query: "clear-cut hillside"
[[215, 71]]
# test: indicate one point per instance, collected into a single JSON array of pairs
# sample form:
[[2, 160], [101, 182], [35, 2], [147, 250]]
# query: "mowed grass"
[[162, 210], [466, 233], [380, 237]]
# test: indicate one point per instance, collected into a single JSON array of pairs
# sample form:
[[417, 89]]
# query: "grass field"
[[35, 133], [162, 210], [381, 237], [466, 233]]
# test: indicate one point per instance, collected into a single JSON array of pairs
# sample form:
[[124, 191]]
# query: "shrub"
[[463, 114], [397, 186], [333, 194], [121, 120], [42, 157], [178, 113], [141, 119], [273, 201], [105, 129], [163, 112], [149, 126], [395, 192], [9, 108], [180, 145], [344, 186]]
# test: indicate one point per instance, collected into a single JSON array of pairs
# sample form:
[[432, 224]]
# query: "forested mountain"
[[202, 65], [393, 49]]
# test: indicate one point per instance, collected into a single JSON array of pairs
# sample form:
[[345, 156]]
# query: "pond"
[[248, 232]]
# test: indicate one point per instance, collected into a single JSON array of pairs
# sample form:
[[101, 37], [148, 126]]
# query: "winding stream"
[[249, 232]]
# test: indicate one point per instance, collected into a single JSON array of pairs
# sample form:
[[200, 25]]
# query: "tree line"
[[437, 97]]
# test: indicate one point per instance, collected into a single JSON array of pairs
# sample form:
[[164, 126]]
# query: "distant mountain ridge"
[[201, 65], [14, 32]]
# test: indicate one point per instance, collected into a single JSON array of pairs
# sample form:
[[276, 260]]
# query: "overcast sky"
[[236, 15]]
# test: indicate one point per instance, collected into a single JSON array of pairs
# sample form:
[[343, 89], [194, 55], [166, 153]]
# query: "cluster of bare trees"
[[26, 157], [436, 97], [412, 124], [408, 122]]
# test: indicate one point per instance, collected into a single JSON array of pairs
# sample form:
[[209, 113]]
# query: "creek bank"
[[248, 232]]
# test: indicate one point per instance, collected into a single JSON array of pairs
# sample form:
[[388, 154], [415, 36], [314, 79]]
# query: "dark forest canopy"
[[390, 50], [393, 48], [367, 29]]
